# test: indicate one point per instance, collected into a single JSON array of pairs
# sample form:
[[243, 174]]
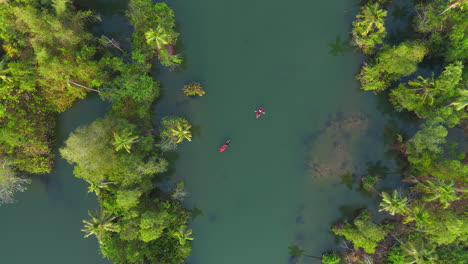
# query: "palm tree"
[[418, 215], [182, 131], [183, 234], [425, 87], [158, 38], [394, 204], [297, 252], [371, 18], [439, 190], [99, 225], [455, 3], [462, 101], [97, 187], [418, 252], [124, 140]]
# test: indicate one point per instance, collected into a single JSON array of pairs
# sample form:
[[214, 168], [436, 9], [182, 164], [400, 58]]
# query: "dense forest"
[[50, 60], [424, 76]]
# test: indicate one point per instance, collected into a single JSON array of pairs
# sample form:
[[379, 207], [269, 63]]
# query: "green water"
[[278, 183], [263, 195]]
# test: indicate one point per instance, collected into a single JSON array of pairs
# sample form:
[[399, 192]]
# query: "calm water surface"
[[279, 183]]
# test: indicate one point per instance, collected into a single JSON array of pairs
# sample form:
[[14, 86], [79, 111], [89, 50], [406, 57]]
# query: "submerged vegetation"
[[193, 89], [154, 32]]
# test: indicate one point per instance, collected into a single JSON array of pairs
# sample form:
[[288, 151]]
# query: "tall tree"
[[124, 140], [99, 224], [440, 190], [10, 183], [158, 38]]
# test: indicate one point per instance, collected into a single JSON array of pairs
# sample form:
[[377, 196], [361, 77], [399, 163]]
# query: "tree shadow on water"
[[339, 47], [53, 187], [348, 179], [171, 157], [196, 130]]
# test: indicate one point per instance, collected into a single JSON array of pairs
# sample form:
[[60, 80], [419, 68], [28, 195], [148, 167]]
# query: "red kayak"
[[259, 112], [224, 146]]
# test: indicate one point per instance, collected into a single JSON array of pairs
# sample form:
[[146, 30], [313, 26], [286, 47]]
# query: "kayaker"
[[259, 112], [224, 146]]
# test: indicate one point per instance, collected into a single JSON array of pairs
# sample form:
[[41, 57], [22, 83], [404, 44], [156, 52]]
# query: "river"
[[283, 179]]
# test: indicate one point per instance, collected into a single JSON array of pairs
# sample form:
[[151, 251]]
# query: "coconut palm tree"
[[439, 190], [99, 224], [418, 252], [183, 234], [417, 214], [124, 140], [394, 204], [158, 38], [425, 88], [182, 131], [462, 101], [371, 18], [98, 187]]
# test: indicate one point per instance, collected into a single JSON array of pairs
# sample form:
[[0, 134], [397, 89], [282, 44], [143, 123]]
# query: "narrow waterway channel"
[[281, 181]]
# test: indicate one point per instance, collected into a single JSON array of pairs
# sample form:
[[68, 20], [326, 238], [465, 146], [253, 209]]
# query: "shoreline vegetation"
[[426, 221], [48, 61]]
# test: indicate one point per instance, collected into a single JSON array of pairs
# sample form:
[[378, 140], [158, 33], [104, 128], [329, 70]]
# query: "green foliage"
[[193, 89], [440, 190], [462, 101], [99, 224], [174, 131], [179, 192], [417, 214], [127, 199], [331, 258], [426, 145], [154, 30], [143, 229], [46, 46], [124, 140], [391, 64], [368, 182], [10, 183], [183, 235], [423, 95], [363, 233], [455, 254], [445, 227], [91, 150], [368, 28], [132, 81], [394, 204], [148, 235], [418, 252]]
